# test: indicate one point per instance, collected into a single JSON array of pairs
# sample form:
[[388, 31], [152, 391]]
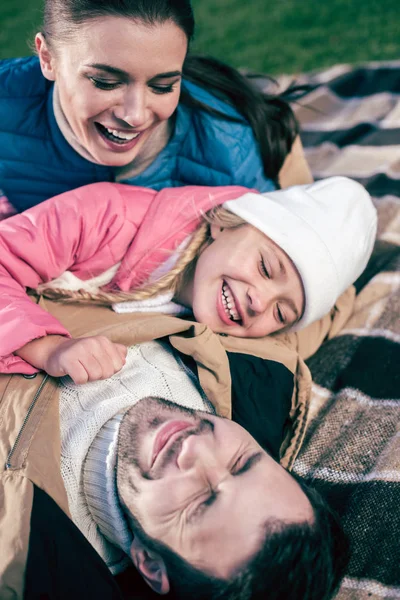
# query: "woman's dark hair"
[[61, 17], [270, 116], [297, 561]]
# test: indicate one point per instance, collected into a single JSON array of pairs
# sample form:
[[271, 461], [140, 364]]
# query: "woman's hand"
[[83, 359]]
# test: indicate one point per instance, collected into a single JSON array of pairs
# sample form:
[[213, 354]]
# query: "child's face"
[[244, 285]]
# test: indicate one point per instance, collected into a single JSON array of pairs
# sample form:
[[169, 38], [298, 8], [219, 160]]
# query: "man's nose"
[[133, 108], [199, 454]]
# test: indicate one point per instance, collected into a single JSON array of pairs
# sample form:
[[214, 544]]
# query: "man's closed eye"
[[238, 469]]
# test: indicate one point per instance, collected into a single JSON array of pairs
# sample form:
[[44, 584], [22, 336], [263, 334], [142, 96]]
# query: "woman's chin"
[[107, 158]]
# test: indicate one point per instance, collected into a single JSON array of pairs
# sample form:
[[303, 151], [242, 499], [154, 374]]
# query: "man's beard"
[[146, 416]]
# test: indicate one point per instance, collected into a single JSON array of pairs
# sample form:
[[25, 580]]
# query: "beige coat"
[[29, 413]]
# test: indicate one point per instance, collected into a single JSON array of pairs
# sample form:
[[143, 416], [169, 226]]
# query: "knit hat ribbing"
[[328, 230], [100, 485]]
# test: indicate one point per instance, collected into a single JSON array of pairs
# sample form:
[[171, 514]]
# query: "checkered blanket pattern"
[[351, 126]]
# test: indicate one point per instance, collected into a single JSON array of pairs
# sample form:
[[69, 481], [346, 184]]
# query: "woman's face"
[[244, 285], [117, 80]]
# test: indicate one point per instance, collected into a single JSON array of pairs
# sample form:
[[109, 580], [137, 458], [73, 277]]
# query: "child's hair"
[[169, 282], [269, 115]]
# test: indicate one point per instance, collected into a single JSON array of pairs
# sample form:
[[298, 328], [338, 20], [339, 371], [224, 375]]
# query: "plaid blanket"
[[351, 126]]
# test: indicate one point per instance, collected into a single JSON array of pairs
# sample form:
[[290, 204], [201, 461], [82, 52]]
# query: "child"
[[259, 264]]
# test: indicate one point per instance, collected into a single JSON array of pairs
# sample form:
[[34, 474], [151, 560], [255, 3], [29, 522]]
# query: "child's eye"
[[162, 89], [280, 315], [264, 269], [104, 85]]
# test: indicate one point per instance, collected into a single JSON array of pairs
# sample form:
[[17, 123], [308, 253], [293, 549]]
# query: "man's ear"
[[45, 57], [151, 566], [215, 231]]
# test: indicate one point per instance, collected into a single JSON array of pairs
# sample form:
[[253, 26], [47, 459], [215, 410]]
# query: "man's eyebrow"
[[204, 506], [124, 74]]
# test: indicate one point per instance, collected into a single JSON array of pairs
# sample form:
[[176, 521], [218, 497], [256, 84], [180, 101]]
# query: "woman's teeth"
[[229, 303], [117, 136]]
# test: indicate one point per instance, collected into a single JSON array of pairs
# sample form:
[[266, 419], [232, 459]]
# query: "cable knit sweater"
[[90, 417]]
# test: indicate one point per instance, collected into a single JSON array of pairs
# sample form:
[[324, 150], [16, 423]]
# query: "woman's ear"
[[45, 57], [215, 231], [151, 566]]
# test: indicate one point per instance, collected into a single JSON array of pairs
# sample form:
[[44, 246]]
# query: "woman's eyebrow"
[[108, 69], [167, 74], [120, 73]]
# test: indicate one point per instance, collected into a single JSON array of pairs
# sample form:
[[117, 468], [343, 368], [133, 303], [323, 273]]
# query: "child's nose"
[[259, 299]]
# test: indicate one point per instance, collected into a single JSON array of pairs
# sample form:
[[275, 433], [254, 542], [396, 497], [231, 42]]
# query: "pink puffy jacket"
[[87, 231]]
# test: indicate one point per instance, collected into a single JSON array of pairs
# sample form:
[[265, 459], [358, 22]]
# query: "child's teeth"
[[229, 306]]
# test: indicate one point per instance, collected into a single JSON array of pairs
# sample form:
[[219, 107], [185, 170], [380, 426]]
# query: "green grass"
[[273, 36]]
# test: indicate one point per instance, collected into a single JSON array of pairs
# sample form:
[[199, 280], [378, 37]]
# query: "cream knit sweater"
[[90, 417]]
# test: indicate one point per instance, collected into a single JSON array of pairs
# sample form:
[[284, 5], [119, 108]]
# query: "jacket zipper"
[[32, 405]]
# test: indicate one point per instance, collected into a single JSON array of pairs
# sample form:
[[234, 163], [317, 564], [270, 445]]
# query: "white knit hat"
[[100, 486], [328, 230]]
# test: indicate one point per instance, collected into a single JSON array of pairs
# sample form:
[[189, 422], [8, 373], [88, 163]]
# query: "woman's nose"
[[133, 109]]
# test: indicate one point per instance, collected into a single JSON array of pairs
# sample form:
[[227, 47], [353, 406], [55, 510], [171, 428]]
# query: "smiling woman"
[[125, 101]]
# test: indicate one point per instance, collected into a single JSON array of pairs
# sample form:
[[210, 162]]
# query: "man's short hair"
[[296, 561]]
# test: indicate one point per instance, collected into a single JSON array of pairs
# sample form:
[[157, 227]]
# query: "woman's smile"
[[118, 140]]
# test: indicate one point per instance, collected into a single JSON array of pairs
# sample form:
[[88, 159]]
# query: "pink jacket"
[[87, 231]]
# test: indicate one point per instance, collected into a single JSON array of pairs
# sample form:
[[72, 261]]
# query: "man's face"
[[202, 485]]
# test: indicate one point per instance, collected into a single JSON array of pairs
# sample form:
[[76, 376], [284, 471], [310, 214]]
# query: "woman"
[[113, 96]]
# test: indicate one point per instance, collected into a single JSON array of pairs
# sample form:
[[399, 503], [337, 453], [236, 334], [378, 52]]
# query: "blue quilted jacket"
[[36, 162]]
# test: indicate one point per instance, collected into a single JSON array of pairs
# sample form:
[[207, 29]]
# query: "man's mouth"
[[116, 135], [229, 303], [167, 435]]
